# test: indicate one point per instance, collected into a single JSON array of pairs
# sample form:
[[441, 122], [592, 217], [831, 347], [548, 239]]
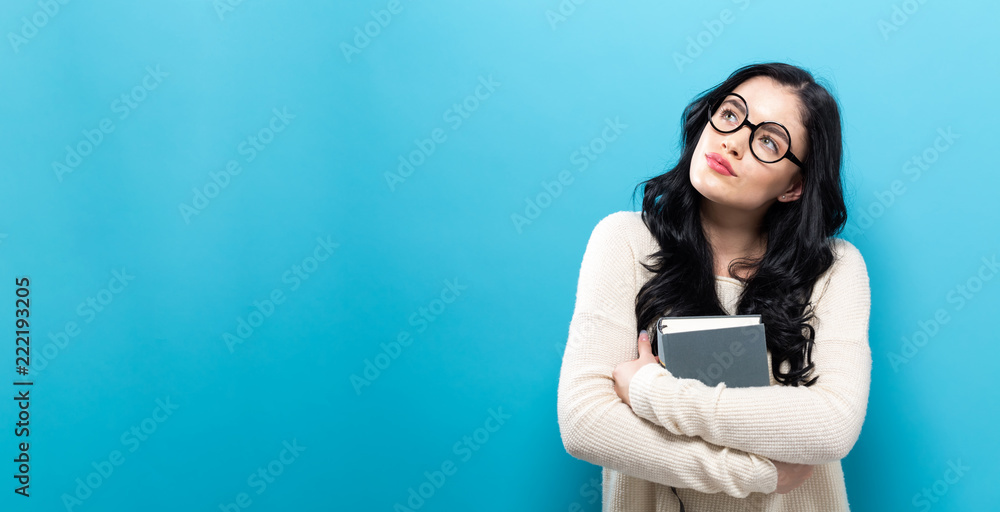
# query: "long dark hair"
[[798, 233]]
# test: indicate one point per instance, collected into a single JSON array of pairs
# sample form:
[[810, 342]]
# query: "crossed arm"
[[709, 439], [596, 425], [802, 425]]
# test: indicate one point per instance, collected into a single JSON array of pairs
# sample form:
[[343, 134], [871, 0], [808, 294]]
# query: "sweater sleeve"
[[802, 425], [595, 425]]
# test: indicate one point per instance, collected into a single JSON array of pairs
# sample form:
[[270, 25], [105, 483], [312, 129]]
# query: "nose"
[[734, 142]]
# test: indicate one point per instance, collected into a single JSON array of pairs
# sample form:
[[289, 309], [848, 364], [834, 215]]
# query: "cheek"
[[700, 149], [770, 187], [781, 181]]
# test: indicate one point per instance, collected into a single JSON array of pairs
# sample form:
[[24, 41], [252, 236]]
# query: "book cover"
[[736, 355]]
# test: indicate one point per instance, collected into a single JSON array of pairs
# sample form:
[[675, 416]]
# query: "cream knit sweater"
[[714, 444]]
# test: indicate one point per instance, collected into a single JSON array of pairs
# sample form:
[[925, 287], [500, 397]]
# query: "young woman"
[[744, 224]]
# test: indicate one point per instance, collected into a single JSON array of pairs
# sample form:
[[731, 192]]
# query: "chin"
[[719, 193], [705, 183]]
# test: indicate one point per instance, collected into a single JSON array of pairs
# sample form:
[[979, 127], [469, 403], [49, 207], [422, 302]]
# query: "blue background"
[[496, 346]]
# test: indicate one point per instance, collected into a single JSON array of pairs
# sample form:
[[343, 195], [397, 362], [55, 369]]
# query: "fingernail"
[[643, 332]]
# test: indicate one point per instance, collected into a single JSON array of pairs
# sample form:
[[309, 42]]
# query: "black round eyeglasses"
[[769, 141]]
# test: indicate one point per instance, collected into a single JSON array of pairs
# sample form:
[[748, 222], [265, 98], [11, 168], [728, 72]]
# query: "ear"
[[794, 190]]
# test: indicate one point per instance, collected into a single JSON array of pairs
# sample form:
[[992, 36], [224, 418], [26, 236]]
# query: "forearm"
[[790, 424], [804, 425], [594, 423], [597, 427]]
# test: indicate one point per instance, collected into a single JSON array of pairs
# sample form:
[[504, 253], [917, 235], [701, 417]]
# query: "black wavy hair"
[[798, 233]]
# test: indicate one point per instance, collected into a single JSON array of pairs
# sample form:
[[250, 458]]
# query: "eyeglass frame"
[[753, 129]]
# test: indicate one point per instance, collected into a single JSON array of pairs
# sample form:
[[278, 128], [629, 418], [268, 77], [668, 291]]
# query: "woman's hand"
[[791, 476], [623, 373]]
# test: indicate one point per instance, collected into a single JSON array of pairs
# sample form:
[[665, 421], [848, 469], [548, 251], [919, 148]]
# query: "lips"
[[719, 164]]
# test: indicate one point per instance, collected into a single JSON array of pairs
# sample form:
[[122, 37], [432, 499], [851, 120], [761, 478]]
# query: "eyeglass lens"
[[770, 140]]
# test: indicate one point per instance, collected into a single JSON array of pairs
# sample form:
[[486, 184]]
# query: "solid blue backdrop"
[[323, 256]]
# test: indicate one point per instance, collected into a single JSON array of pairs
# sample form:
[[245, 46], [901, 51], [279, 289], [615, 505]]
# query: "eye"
[[768, 143]]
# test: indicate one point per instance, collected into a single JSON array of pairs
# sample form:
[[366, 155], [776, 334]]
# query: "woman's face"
[[756, 185]]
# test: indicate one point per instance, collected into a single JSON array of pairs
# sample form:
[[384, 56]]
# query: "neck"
[[732, 233]]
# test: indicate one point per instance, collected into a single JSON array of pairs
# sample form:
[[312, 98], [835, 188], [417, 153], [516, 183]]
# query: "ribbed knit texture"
[[714, 444]]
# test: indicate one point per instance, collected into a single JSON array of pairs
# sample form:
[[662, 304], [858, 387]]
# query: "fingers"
[[645, 349]]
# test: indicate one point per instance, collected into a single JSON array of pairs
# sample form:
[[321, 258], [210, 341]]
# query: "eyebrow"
[[738, 105], [777, 133]]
